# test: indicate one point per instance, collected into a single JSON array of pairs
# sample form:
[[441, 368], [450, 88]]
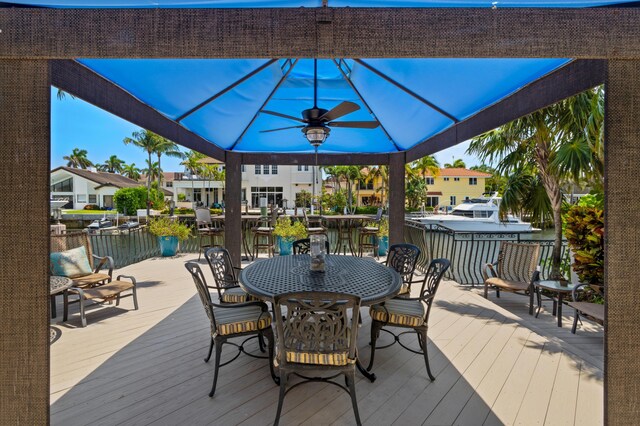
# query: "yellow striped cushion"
[[241, 320], [340, 358], [235, 295], [400, 312]]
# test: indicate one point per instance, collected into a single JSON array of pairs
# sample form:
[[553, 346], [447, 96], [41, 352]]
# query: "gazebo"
[[251, 64]]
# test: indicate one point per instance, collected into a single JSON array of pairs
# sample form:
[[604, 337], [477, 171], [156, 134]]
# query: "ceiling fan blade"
[[343, 108], [281, 128], [277, 114], [355, 124]]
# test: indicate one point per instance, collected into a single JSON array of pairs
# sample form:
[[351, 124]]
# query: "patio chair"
[[303, 246], [515, 271], [583, 296], [314, 226], [71, 257], [225, 276], [368, 237], [207, 228], [403, 259], [314, 334], [410, 313], [231, 320], [263, 238]]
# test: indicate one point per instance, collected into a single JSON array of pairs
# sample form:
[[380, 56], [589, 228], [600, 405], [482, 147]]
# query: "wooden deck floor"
[[493, 365]]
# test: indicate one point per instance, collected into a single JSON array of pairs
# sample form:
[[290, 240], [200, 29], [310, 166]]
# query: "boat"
[[478, 215]]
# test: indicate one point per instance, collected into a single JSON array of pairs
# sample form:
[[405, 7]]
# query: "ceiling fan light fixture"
[[316, 135]]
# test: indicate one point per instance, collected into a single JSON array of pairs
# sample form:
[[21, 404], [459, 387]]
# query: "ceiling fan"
[[318, 120]]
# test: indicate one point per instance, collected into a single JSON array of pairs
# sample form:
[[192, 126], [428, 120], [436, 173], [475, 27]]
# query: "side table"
[[559, 290], [57, 285]]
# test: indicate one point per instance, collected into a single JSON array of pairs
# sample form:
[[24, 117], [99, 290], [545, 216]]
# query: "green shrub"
[[163, 226], [584, 231], [132, 199], [286, 229], [367, 210], [182, 197], [91, 207]]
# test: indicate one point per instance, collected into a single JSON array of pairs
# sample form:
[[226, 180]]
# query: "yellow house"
[[452, 186]]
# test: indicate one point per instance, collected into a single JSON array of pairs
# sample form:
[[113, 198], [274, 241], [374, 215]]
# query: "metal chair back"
[[432, 278], [224, 275], [403, 259], [317, 323], [303, 246], [203, 292]]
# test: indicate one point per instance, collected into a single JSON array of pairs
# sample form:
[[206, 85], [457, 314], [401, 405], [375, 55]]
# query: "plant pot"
[[285, 245], [168, 245], [383, 246]]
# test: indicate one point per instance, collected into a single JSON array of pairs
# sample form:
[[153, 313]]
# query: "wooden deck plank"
[[146, 367]]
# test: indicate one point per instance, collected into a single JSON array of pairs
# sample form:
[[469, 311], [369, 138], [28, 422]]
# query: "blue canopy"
[[315, 3], [223, 100]]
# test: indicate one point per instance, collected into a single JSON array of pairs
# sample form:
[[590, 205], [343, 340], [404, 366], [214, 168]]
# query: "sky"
[[77, 124]]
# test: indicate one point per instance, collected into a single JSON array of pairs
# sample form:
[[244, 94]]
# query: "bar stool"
[[344, 236], [314, 225], [208, 228], [263, 235], [368, 236]]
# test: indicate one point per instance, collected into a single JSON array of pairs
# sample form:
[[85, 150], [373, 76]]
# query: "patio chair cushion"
[[263, 229], [241, 320], [310, 230], [404, 312], [339, 358], [90, 279], [594, 310], [370, 229], [70, 263], [235, 295], [507, 284]]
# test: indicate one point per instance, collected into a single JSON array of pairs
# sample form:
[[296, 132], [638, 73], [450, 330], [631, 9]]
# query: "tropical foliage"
[[541, 152], [457, 163], [131, 171], [584, 229], [287, 229], [78, 159]]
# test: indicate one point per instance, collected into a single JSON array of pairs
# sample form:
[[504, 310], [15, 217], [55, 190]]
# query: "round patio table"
[[361, 277], [57, 285]]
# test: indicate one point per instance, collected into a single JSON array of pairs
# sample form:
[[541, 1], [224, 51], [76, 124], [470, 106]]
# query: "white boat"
[[478, 215]]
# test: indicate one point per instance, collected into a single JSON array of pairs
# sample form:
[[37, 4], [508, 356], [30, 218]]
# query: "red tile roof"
[[460, 172]]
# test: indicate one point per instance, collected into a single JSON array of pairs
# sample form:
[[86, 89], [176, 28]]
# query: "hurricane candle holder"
[[317, 252]]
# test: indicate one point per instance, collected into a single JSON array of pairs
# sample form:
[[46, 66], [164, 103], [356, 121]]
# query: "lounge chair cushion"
[[241, 320], [507, 285], [404, 312], [235, 295], [107, 291], [594, 310], [90, 279], [70, 263]]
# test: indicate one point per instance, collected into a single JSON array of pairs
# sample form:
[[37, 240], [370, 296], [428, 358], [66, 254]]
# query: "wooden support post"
[[233, 204], [396, 198], [622, 243], [24, 241]]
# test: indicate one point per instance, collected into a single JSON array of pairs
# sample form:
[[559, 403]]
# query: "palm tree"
[[193, 165], [152, 170], [457, 164], [168, 148], [426, 166], [558, 143], [147, 141], [112, 165], [78, 159], [381, 172], [131, 171]]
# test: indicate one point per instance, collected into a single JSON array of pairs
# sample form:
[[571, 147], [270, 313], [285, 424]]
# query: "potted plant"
[[288, 232], [169, 233], [383, 237], [584, 230]]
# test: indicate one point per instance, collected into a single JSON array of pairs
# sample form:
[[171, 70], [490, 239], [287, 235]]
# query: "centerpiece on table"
[[287, 232], [170, 233]]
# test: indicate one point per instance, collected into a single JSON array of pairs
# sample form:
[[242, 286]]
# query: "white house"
[[88, 186], [273, 182]]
